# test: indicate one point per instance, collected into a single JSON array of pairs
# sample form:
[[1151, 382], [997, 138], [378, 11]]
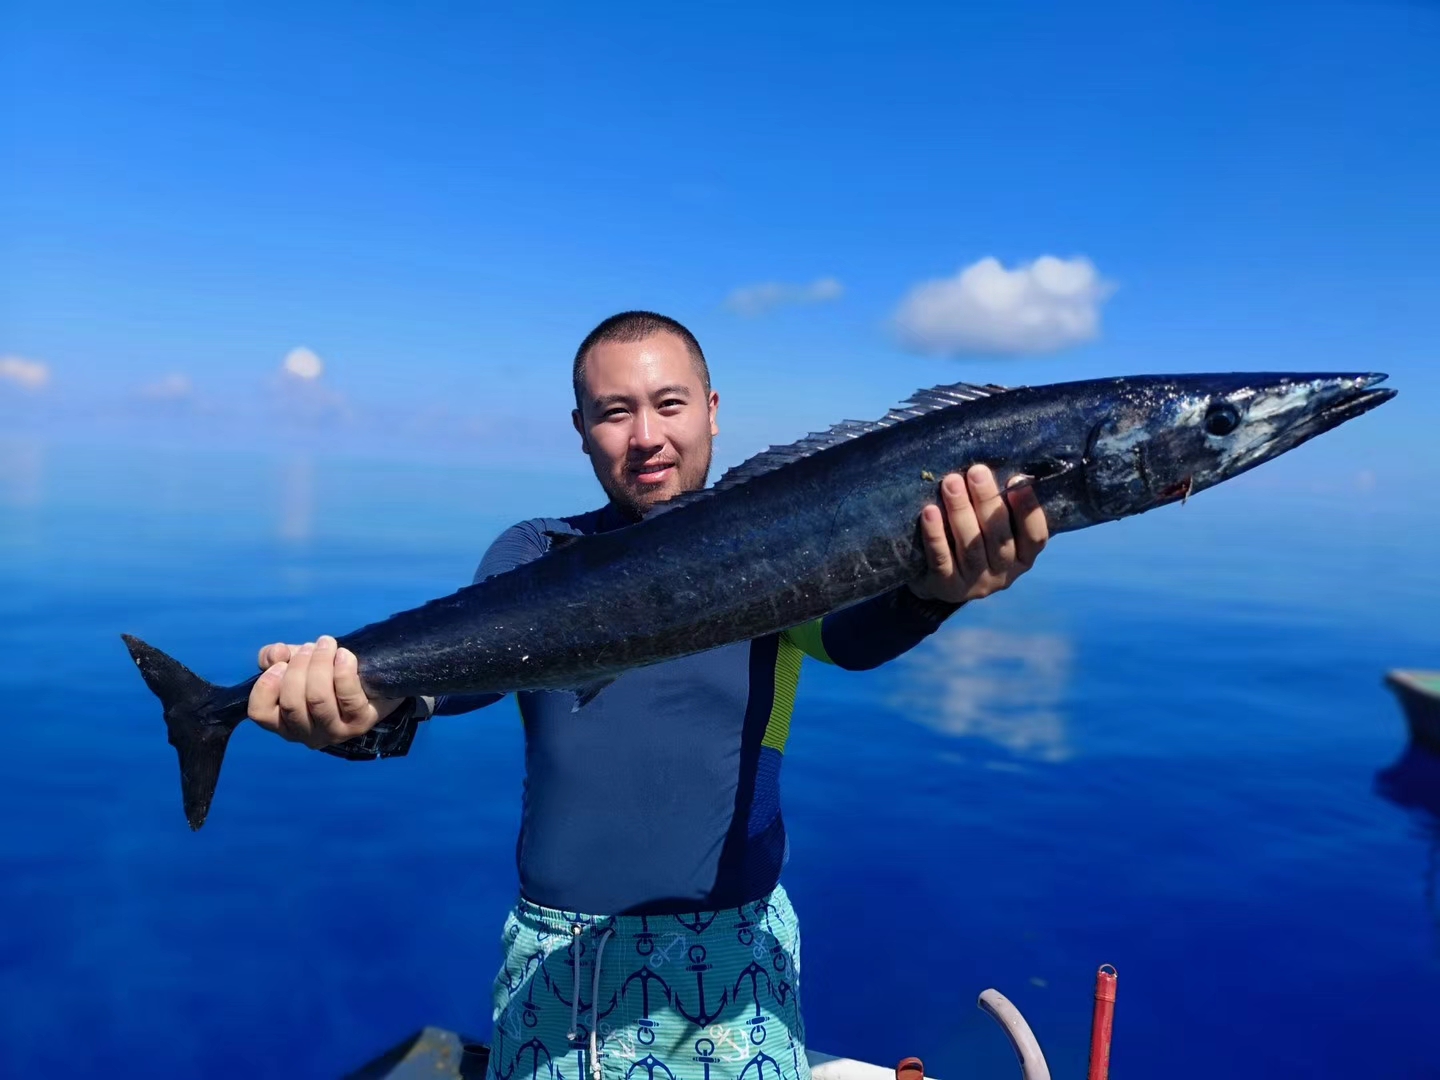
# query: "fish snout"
[[1344, 399]]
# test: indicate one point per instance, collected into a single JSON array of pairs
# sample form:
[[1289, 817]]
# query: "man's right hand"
[[312, 694]]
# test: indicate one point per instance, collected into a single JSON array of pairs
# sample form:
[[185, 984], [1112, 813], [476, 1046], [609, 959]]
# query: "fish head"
[[1161, 440]]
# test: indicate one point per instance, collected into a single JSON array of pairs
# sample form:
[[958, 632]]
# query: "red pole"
[[1102, 1022]]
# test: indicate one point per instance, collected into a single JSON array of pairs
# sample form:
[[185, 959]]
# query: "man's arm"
[[979, 544], [872, 632], [313, 694]]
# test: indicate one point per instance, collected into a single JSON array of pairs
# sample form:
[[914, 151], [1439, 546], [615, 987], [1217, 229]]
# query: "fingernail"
[[324, 641], [1018, 478], [346, 657], [954, 485], [278, 670], [308, 647]]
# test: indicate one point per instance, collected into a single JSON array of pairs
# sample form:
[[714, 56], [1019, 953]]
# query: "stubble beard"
[[693, 474]]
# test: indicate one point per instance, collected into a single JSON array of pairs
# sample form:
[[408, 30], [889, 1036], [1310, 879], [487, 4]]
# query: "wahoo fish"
[[794, 533]]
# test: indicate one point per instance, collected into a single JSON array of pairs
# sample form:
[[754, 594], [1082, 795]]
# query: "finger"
[[994, 517], [264, 704], [1032, 531], [937, 543], [294, 716], [964, 527], [356, 707], [270, 655], [320, 689]]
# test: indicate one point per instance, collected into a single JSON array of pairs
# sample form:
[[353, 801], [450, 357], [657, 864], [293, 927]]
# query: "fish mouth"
[[1294, 409], [1357, 404], [1345, 398]]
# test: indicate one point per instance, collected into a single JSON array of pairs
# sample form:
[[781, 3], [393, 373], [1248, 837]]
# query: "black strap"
[[391, 737]]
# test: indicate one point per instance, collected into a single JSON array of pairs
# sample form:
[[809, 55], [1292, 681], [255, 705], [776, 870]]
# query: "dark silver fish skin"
[[796, 533]]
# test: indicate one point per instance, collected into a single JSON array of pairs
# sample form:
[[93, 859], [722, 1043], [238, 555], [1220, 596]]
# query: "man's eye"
[[612, 414], [671, 403]]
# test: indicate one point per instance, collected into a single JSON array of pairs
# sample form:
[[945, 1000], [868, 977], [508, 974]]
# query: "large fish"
[[794, 533]]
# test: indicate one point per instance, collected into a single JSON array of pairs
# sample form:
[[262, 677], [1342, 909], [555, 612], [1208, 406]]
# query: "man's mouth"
[[652, 472]]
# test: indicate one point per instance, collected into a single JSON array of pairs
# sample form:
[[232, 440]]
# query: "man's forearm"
[[878, 630], [455, 704]]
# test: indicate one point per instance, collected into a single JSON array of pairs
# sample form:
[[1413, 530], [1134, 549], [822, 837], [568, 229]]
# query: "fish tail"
[[199, 740]]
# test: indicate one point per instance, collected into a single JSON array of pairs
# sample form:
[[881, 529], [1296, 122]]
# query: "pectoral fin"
[[586, 694]]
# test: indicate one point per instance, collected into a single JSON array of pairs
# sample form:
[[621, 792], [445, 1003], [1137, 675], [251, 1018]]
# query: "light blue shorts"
[[709, 996]]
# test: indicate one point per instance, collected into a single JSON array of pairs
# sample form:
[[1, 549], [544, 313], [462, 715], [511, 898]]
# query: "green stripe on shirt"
[[806, 637]]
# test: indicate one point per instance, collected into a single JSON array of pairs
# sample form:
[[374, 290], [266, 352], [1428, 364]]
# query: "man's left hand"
[[982, 541]]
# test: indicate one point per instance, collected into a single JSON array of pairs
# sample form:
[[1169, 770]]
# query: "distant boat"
[[1419, 694]]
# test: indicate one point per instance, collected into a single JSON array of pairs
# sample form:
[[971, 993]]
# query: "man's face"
[[646, 420]]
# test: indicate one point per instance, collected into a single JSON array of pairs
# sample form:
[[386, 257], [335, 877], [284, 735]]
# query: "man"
[[651, 822]]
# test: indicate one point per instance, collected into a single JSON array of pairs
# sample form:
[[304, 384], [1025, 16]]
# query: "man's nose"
[[646, 429]]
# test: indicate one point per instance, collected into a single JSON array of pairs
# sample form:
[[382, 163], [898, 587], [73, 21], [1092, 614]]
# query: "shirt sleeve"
[[392, 737], [872, 632]]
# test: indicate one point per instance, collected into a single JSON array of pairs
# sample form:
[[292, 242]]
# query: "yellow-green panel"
[[806, 637], [787, 681]]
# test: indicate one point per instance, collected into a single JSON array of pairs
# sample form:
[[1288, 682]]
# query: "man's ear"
[[579, 422], [713, 404]]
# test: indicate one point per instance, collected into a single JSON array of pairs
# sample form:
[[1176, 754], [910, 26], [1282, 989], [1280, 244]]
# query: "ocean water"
[[1168, 749]]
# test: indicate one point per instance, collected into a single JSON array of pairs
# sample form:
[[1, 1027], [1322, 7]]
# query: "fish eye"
[[1221, 419]]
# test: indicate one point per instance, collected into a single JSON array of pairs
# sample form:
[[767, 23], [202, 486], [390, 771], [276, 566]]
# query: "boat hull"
[[1419, 696], [436, 1054]]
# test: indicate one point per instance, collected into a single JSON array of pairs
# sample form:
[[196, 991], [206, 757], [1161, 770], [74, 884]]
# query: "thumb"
[[279, 653], [349, 693]]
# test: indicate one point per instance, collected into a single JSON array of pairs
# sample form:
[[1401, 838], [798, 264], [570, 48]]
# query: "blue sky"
[[439, 200]]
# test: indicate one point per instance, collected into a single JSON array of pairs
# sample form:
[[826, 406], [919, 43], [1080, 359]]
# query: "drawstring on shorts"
[[724, 946], [573, 1034]]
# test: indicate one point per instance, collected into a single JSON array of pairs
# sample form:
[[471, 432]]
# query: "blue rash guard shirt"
[[663, 795]]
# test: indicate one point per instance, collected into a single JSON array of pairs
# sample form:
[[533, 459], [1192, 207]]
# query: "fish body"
[[795, 533]]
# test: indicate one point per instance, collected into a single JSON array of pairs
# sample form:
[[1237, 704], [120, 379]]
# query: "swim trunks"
[[712, 995]]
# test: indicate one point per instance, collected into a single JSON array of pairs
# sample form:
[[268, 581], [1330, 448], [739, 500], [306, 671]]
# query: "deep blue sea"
[[1161, 750]]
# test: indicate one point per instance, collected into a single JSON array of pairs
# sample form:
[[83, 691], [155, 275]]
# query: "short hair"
[[636, 326]]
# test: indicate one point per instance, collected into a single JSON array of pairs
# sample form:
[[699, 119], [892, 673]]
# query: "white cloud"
[[28, 374], [1008, 689], [758, 299], [174, 387], [304, 399], [1039, 307], [303, 364]]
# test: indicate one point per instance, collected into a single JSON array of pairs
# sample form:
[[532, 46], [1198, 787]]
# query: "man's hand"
[[312, 694], [992, 537]]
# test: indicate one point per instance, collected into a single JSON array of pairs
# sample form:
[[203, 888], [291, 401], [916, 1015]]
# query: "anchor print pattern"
[[712, 995]]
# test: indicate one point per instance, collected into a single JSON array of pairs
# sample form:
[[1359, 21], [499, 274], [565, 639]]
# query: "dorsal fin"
[[919, 403], [927, 400]]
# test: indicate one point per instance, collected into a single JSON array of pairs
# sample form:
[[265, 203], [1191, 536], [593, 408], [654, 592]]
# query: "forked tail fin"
[[198, 739]]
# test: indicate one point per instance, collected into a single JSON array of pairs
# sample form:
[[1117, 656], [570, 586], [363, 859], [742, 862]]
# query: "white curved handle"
[[1027, 1049]]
